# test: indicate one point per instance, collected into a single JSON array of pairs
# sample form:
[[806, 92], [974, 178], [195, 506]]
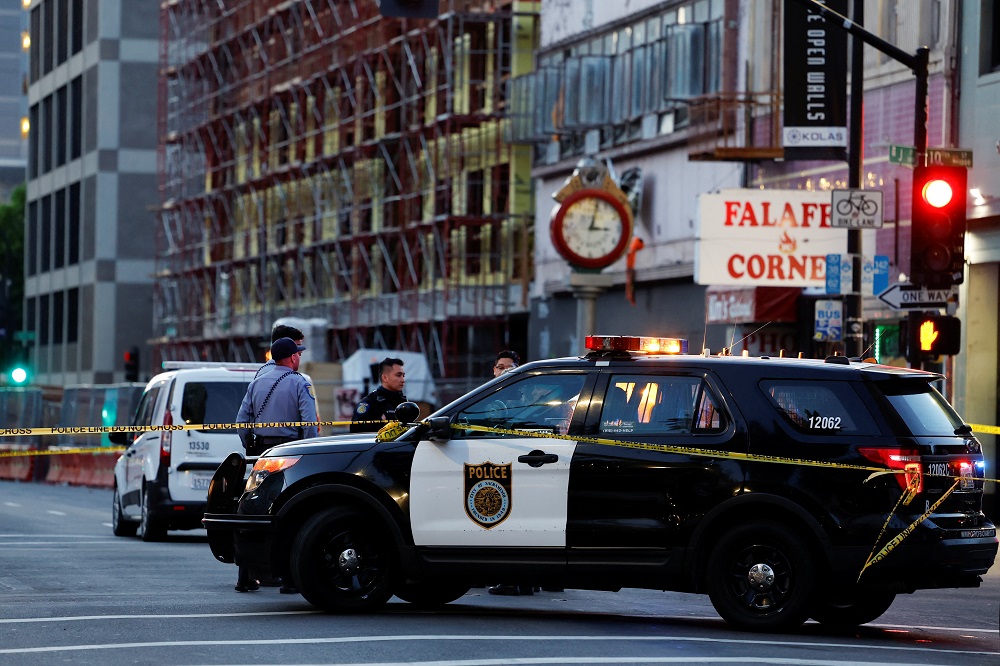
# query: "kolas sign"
[[815, 84], [777, 238]]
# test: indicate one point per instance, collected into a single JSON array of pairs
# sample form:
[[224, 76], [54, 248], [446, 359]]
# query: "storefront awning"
[[744, 305]]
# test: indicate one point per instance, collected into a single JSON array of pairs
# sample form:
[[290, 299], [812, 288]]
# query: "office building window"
[[48, 37], [61, 31], [59, 129], [76, 117], [30, 240], [58, 320], [46, 235], [73, 230], [43, 321], [72, 315], [59, 247], [76, 26]]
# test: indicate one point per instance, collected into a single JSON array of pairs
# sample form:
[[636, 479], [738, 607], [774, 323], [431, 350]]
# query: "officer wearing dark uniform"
[[374, 406], [278, 395]]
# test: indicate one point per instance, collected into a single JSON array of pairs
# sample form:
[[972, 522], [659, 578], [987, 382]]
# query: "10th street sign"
[[908, 297]]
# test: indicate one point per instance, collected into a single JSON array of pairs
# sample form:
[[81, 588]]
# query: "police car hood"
[[355, 441]]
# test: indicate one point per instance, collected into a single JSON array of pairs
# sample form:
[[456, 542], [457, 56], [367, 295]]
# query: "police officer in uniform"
[[385, 398], [280, 395]]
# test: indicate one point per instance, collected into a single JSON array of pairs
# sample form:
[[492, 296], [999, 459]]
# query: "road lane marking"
[[13, 504], [770, 643], [56, 513]]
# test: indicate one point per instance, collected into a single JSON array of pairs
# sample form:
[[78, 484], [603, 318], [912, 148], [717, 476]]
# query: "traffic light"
[[937, 234], [409, 8], [932, 335], [132, 365], [20, 375]]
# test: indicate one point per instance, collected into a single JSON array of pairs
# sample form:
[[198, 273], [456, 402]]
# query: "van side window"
[[820, 408], [659, 405]]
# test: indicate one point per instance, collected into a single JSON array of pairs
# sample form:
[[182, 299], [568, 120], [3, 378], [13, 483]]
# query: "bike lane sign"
[[856, 209]]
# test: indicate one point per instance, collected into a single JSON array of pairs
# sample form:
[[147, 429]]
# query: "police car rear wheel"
[[861, 608], [343, 561], [431, 594], [119, 525], [761, 577]]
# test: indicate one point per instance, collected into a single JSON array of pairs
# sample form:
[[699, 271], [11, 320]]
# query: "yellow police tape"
[[987, 429], [393, 429]]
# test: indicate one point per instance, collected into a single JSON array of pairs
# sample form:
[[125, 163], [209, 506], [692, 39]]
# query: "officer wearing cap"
[[281, 395], [371, 412]]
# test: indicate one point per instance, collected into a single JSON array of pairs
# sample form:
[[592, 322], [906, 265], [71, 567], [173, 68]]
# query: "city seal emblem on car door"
[[488, 493]]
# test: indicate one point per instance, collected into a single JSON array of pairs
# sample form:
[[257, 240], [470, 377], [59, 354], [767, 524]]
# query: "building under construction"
[[319, 160]]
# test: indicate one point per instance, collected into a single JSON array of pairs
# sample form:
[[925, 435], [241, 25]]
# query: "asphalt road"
[[70, 592]]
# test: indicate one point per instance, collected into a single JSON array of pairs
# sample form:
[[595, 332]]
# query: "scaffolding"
[[318, 160]]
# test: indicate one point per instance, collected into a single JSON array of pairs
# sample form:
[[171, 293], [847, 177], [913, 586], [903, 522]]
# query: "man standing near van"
[[281, 395]]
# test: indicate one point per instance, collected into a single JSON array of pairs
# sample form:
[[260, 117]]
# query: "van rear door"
[[195, 454]]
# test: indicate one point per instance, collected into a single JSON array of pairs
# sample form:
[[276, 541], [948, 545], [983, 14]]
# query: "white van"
[[161, 480]]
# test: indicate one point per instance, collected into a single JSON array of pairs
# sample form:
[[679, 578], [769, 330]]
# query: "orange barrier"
[[98, 470], [17, 468]]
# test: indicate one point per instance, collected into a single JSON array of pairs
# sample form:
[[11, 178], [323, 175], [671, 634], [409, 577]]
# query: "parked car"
[[765, 483], [161, 480]]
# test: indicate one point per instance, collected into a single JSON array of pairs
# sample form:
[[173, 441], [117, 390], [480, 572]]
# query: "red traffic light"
[[937, 193], [937, 232]]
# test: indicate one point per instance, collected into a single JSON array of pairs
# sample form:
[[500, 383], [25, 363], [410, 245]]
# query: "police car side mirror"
[[407, 412], [439, 428]]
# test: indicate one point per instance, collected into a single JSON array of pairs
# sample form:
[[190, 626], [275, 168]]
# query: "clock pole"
[[586, 287]]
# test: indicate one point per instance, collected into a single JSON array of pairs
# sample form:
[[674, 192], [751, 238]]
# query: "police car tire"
[[783, 604], [149, 529], [431, 593], [316, 561], [864, 607], [120, 526]]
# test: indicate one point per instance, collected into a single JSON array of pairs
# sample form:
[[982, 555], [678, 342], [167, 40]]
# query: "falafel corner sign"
[[776, 238]]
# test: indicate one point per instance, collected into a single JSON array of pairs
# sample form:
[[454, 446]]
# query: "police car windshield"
[[922, 408]]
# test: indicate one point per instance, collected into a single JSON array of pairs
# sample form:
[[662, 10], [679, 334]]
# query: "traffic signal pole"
[[917, 63]]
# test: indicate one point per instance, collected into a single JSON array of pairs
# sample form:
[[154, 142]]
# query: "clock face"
[[591, 229]]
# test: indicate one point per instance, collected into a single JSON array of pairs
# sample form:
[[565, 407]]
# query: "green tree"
[[11, 271]]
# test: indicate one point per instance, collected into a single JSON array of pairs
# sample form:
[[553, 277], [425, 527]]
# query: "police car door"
[[490, 488]]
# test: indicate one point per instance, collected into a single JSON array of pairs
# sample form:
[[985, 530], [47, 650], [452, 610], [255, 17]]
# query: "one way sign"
[[909, 297]]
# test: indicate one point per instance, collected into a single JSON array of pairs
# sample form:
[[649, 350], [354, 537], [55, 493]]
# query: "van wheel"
[[343, 561], [861, 608], [437, 593], [120, 526], [149, 529], [761, 577]]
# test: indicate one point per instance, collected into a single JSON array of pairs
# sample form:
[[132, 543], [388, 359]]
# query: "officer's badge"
[[362, 407], [488, 493], [309, 387]]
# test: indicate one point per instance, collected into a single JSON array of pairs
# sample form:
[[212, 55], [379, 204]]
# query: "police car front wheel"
[[431, 593], [761, 577], [343, 561], [861, 607]]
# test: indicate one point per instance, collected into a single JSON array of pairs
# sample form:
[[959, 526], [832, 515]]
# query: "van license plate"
[[200, 481]]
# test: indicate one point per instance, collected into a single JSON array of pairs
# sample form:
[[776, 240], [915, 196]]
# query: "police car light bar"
[[635, 343]]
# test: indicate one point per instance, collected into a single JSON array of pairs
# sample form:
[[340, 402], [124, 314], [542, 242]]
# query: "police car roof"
[[835, 365]]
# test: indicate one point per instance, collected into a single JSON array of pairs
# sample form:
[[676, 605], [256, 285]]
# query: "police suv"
[[783, 488]]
